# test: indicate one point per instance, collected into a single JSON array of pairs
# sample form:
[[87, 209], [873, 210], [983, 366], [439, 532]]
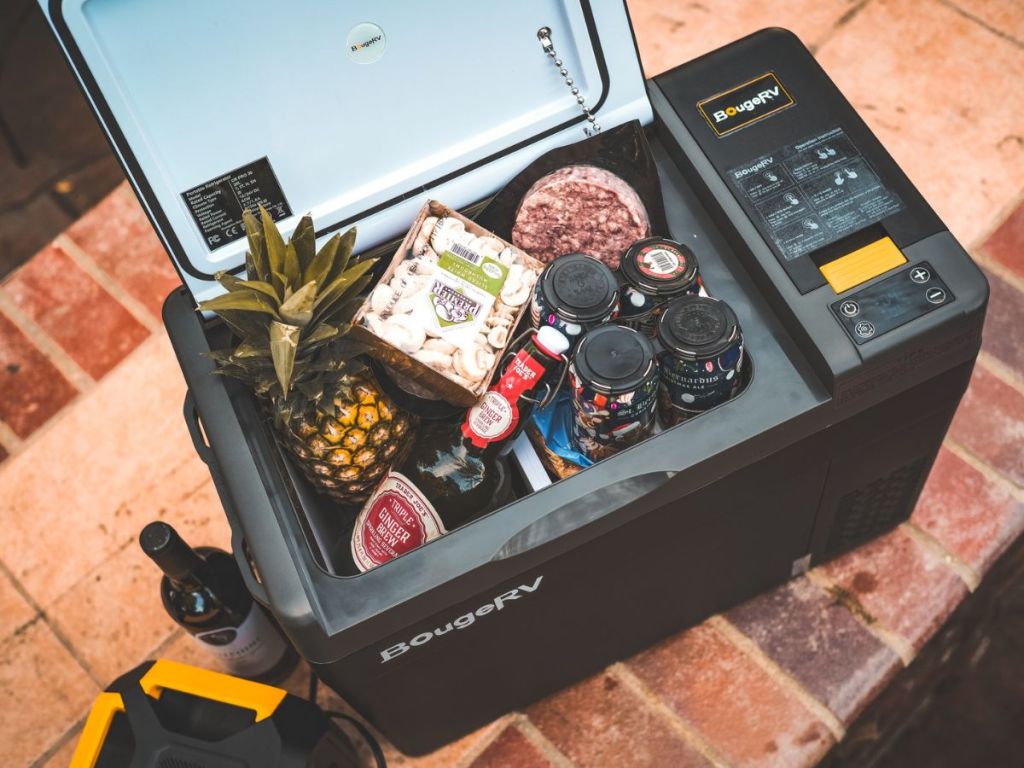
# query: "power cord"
[[364, 732]]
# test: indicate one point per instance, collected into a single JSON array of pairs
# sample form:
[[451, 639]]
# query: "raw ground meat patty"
[[580, 209]]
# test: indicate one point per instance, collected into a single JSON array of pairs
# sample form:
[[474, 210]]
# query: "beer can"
[[701, 359], [573, 294], [613, 376], [654, 271]]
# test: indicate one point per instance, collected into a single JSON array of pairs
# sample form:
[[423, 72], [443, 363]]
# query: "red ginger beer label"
[[396, 519], [496, 414]]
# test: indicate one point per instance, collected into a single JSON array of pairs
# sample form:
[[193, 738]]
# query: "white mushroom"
[[437, 360], [473, 363], [403, 332], [382, 300], [374, 323], [443, 346], [427, 227], [498, 337], [517, 287], [446, 231], [486, 245], [507, 257], [462, 382], [496, 319]]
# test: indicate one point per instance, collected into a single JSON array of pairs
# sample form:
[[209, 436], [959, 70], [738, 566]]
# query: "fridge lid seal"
[[354, 112]]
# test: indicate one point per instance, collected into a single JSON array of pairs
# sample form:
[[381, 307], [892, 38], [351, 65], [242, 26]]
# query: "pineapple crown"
[[291, 313]]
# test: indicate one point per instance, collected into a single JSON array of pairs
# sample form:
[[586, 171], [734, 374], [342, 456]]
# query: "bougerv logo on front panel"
[[746, 103], [463, 621]]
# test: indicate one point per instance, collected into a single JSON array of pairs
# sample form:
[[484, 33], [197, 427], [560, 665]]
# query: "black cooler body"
[[862, 317]]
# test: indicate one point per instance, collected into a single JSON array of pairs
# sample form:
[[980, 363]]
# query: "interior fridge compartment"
[[783, 375]]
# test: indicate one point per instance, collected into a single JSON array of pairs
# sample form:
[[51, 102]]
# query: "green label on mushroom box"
[[464, 288]]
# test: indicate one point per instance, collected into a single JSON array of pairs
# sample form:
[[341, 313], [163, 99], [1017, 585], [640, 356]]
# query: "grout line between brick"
[[491, 733], [135, 307], [983, 24], [893, 641], [61, 637], [689, 733], [967, 574], [1001, 371], [841, 22], [58, 745], [990, 472], [61, 360], [50, 423], [1004, 273], [535, 736], [9, 441], [1001, 217], [779, 675]]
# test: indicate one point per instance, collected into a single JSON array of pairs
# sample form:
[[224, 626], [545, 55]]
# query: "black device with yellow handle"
[[164, 714]]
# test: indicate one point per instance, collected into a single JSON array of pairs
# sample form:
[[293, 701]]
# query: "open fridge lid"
[[355, 112]]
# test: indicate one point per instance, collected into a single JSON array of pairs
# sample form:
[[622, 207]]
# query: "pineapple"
[[290, 317]]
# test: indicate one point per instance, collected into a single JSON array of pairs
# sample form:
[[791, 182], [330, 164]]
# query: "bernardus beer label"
[[396, 519], [496, 414]]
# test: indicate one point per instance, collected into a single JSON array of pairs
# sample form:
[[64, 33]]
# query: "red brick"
[[117, 234], [899, 583], [1002, 337], [600, 723], [31, 388], [1006, 244], [90, 324], [990, 423], [973, 517], [511, 748], [818, 642], [748, 717]]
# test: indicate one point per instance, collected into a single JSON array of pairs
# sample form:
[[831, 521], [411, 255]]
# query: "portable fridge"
[[861, 313]]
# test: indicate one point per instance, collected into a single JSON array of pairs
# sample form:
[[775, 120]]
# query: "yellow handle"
[[170, 675], [95, 730]]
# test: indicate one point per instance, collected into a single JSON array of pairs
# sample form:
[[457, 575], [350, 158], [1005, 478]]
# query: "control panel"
[[892, 302]]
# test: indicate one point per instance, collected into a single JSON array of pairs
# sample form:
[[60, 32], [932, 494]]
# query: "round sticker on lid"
[[365, 43], [660, 262]]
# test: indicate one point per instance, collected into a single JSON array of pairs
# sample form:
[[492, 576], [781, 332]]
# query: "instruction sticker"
[[217, 204], [814, 192]]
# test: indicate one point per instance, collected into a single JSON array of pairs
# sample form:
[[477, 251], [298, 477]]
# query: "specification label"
[[217, 204], [813, 192]]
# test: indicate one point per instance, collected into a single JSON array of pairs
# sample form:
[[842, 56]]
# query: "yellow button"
[[863, 264]]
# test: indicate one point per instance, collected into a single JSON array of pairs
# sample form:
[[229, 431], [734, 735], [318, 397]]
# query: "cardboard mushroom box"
[[443, 313]]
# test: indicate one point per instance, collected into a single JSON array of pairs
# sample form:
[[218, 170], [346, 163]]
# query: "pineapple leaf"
[[251, 348], [292, 271], [320, 334], [284, 342], [236, 285], [320, 266], [249, 301], [341, 286], [304, 240], [243, 324], [343, 311], [348, 242], [298, 309], [257, 247], [280, 285], [275, 243]]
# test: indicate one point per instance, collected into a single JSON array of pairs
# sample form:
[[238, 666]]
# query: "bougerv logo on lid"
[[746, 103], [365, 43]]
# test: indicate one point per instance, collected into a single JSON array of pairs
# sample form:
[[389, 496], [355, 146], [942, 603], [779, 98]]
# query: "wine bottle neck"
[[180, 563]]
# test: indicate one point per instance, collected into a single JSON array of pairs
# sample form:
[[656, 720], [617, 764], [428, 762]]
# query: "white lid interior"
[[461, 98]]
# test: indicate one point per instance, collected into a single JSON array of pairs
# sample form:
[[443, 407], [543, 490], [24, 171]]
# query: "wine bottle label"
[[496, 414], [250, 649], [397, 518]]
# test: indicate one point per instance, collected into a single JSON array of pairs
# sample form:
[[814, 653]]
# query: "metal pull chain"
[[544, 35]]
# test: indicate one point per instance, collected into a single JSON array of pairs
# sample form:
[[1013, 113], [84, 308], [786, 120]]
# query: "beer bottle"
[[453, 475]]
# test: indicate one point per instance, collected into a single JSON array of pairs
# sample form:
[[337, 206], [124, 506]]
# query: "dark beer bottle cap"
[[614, 359], [659, 266], [579, 288], [697, 327]]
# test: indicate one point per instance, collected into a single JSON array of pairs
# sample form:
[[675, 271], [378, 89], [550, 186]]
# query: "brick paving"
[[92, 446]]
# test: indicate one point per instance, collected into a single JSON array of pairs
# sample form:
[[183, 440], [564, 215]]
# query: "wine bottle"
[[203, 591], [451, 475]]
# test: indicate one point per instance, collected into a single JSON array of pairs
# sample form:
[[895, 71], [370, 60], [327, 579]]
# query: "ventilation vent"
[[875, 507], [177, 762]]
